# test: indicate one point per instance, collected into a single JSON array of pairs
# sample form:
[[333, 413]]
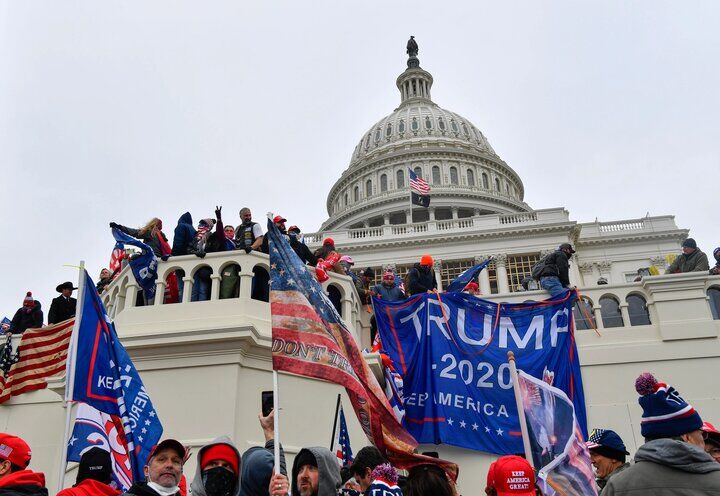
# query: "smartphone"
[[267, 403], [433, 454]]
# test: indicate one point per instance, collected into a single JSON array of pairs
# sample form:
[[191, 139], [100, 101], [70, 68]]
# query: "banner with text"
[[451, 350]]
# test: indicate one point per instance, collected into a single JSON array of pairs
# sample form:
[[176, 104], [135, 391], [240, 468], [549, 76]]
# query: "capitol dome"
[[466, 176]]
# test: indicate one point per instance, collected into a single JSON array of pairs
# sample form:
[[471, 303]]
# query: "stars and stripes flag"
[[309, 338], [419, 190], [343, 451], [556, 440], [41, 354], [116, 258]]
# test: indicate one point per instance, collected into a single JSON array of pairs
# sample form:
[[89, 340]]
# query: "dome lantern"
[[415, 83]]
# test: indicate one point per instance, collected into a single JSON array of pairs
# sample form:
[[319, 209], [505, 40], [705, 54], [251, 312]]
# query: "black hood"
[[185, 218]]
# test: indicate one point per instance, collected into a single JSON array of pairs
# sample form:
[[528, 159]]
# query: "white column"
[[598, 317], [131, 294], [454, 213], [431, 213], [437, 267], [246, 277], [159, 292], [408, 216], [484, 277], [187, 289], [501, 271], [386, 219], [625, 314], [215, 287]]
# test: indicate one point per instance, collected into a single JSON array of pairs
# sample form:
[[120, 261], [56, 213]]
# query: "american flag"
[[418, 184], [343, 451], [43, 353], [116, 258]]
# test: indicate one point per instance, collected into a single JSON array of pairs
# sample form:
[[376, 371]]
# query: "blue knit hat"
[[665, 413]]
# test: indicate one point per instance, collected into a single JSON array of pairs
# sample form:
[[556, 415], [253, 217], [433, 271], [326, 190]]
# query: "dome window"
[[356, 194], [368, 188], [453, 125], [400, 179], [346, 200], [367, 141], [497, 184], [388, 130], [377, 135], [436, 174], [485, 183], [414, 126], [383, 183], [453, 175], [470, 177], [441, 124], [401, 126], [428, 122], [465, 129], [418, 172]]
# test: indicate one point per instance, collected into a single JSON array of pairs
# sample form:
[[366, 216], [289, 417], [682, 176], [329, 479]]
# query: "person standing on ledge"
[[62, 307], [691, 260]]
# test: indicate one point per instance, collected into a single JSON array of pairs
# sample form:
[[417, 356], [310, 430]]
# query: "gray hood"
[[197, 487], [328, 472], [678, 455]]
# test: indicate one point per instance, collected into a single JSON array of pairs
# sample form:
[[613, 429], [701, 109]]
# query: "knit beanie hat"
[[385, 479], [29, 299], [222, 452], [388, 275], [95, 464], [305, 457], [426, 260], [665, 413]]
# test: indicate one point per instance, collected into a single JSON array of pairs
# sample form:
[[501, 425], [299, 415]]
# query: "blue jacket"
[[184, 235], [392, 293]]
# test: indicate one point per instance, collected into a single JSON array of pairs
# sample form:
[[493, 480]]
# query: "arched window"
[[453, 175], [610, 311], [714, 297], [465, 129], [470, 177], [346, 200], [377, 135], [485, 182], [638, 310], [367, 141], [436, 174], [400, 179], [453, 125], [507, 188], [497, 184], [428, 122], [356, 193], [388, 130], [418, 172], [401, 126], [414, 125], [383, 182], [368, 188], [441, 124], [583, 314]]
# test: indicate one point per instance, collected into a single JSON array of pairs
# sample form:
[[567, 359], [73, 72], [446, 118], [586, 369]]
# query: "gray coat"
[[197, 487], [328, 472], [666, 467]]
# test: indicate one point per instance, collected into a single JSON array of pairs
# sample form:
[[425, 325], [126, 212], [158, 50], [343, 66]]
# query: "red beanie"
[[222, 452], [29, 300]]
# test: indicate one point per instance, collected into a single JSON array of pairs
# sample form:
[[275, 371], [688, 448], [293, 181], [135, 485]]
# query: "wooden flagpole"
[[521, 411], [337, 411]]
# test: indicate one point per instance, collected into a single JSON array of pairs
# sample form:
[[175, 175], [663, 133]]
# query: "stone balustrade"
[[657, 224]]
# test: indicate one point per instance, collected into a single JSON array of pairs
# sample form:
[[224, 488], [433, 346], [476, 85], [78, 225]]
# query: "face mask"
[[219, 481], [162, 490]]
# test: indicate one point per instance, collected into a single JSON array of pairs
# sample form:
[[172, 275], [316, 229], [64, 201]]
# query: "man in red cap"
[[15, 478], [279, 222], [421, 278], [712, 440], [163, 471], [218, 471], [510, 476], [472, 288]]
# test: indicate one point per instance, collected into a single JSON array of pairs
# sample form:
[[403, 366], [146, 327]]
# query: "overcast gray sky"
[[121, 111]]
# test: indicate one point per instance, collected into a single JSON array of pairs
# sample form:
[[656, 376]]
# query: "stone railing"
[[125, 304], [490, 222], [662, 223]]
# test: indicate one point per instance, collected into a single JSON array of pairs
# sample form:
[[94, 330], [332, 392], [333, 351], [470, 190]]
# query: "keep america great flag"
[[309, 338]]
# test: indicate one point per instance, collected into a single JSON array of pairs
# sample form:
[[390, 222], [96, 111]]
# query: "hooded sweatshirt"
[[90, 487], [196, 486], [23, 483], [666, 467], [257, 468], [184, 235], [23, 320], [328, 472]]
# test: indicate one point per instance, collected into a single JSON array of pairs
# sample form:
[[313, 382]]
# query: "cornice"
[[630, 236]]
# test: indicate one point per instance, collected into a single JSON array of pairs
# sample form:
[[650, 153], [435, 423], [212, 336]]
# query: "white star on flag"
[[147, 422], [462, 424], [487, 429], [475, 426], [499, 432], [450, 421]]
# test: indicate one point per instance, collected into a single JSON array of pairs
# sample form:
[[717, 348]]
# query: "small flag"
[[461, 281], [419, 190], [394, 392], [116, 258], [343, 451], [144, 266]]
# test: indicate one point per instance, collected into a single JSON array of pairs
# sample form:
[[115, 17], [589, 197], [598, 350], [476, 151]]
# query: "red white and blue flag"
[[343, 451], [419, 190], [309, 338], [558, 448], [116, 258]]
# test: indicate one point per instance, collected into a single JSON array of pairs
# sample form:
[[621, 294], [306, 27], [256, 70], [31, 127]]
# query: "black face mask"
[[219, 481]]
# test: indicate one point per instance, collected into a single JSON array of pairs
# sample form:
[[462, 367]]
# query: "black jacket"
[[141, 489], [23, 321], [61, 309], [302, 251], [146, 238], [421, 279], [184, 235], [557, 264]]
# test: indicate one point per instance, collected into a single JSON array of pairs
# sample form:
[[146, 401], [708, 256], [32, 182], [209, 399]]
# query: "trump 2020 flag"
[[556, 440], [343, 451], [143, 266], [461, 281], [97, 429], [104, 377]]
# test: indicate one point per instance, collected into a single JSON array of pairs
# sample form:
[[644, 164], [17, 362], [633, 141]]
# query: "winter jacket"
[[217, 241], [328, 472], [23, 483], [666, 467], [389, 293], [697, 261], [146, 238], [603, 482], [302, 251], [184, 235], [61, 309], [142, 489], [421, 279], [90, 487], [257, 468], [23, 321], [363, 290], [197, 488], [244, 236], [557, 265]]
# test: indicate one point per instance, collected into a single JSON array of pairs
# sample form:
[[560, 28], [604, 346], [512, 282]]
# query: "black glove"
[[248, 249], [218, 212], [200, 254], [113, 225], [164, 258]]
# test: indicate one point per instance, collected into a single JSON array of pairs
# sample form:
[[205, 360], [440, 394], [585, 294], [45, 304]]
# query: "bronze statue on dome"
[[412, 47]]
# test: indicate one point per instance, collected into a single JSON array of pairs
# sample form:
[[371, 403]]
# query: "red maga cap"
[[15, 449], [279, 218], [512, 476]]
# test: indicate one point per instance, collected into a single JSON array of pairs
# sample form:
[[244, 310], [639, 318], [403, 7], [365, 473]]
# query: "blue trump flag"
[[104, 377], [143, 266], [461, 281], [451, 350]]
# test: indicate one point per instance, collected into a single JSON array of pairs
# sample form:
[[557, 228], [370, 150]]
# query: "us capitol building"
[[206, 363]]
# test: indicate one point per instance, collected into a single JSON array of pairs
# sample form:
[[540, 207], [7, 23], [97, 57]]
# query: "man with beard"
[[163, 471], [315, 473]]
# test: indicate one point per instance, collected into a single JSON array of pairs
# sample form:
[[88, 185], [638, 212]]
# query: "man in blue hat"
[[607, 453]]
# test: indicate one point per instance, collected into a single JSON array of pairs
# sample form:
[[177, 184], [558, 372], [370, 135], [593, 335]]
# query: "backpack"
[[538, 268]]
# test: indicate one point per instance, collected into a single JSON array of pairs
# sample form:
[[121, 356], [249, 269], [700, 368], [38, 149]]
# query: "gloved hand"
[[164, 258], [218, 212], [200, 254], [113, 225], [248, 249]]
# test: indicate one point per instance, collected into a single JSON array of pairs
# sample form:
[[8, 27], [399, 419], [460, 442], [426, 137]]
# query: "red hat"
[[426, 260], [15, 450], [712, 432], [471, 285], [169, 444], [29, 300], [512, 476], [328, 241], [279, 218], [389, 275], [223, 452]]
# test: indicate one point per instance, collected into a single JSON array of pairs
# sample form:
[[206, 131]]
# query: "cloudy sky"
[[121, 111]]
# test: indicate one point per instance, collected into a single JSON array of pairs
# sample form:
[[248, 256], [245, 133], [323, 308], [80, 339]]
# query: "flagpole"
[[70, 375], [521, 411], [337, 411], [276, 423]]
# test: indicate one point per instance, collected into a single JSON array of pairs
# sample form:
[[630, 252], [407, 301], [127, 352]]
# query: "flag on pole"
[[116, 258], [556, 440], [461, 281], [97, 429], [419, 190], [41, 354], [104, 377], [343, 451], [144, 266], [309, 338]]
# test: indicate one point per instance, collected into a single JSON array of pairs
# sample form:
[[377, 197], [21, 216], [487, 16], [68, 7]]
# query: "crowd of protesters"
[[680, 456]]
